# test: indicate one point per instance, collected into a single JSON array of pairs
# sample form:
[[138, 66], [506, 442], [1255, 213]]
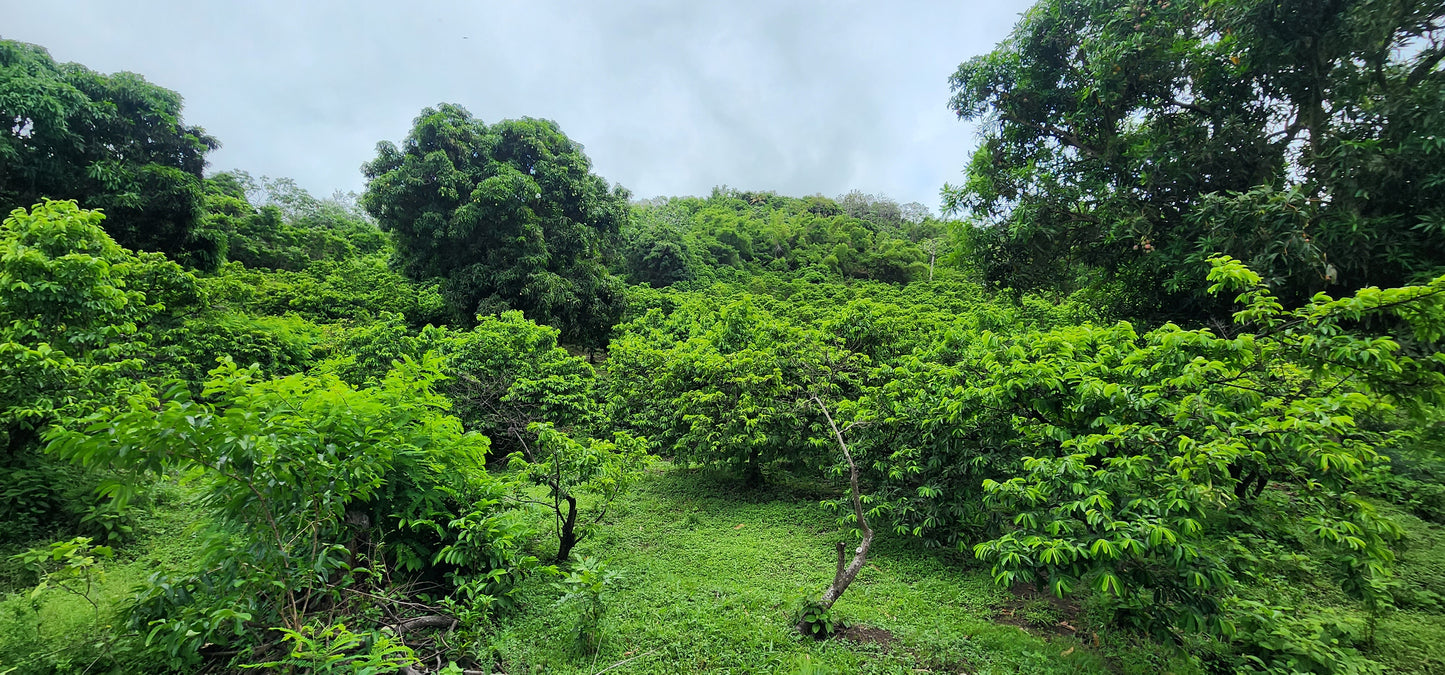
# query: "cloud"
[[669, 98]]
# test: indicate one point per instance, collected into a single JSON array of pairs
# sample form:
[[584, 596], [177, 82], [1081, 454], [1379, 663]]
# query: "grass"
[[1411, 639], [713, 572], [62, 633]]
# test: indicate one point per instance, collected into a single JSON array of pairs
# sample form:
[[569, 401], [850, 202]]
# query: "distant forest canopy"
[[130, 153], [1172, 355]]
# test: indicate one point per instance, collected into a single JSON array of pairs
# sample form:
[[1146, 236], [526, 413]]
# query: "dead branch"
[[845, 575], [428, 621]]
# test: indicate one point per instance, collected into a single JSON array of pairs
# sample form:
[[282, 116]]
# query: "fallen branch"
[[429, 621]]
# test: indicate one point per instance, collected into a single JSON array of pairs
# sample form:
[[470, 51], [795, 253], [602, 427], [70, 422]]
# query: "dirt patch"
[[867, 635], [1040, 613]]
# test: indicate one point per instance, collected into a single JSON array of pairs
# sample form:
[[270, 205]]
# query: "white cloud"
[[668, 97]]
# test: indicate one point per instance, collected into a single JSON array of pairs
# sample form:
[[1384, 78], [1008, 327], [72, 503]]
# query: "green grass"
[[62, 633], [713, 572], [1411, 639]]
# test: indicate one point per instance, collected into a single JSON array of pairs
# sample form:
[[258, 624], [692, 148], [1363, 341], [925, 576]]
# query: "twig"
[[624, 661]]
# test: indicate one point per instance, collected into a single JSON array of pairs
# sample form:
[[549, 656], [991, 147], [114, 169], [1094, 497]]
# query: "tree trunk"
[[932, 255], [567, 537], [843, 576], [753, 472]]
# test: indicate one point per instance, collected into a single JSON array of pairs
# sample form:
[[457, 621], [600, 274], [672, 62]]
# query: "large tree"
[[509, 215], [112, 142], [1128, 140]]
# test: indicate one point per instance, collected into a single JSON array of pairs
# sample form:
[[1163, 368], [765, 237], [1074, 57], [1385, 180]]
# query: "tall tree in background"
[[112, 142], [1126, 141], [509, 215]]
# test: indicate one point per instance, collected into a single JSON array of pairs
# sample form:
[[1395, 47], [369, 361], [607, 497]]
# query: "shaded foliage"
[[112, 142], [1133, 140]]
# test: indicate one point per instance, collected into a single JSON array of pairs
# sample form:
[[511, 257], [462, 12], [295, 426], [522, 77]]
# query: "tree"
[[653, 248], [76, 312], [112, 142], [320, 494], [570, 469], [1126, 142], [814, 620], [510, 216], [507, 374], [1160, 468], [286, 228], [878, 210], [725, 387]]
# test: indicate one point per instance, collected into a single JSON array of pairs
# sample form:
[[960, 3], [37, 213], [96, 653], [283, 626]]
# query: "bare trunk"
[[932, 255], [428, 621], [844, 576], [753, 472], [567, 537]]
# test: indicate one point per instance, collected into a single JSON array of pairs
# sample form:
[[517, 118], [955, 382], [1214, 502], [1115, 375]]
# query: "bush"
[[318, 491]]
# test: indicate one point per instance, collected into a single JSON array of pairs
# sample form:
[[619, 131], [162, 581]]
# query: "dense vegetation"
[[1165, 395]]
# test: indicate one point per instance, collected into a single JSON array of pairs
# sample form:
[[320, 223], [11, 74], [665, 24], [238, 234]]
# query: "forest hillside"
[[1160, 388]]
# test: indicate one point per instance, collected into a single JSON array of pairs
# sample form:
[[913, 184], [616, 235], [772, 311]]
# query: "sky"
[[668, 97]]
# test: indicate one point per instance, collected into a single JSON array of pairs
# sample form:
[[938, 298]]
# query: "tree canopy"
[[112, 142], [509, 215], [1129, 141]]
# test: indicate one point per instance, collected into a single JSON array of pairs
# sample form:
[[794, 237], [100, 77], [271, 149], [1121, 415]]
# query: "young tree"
[[75, 313], [507, 373], [571, 469], [1153, 466], [811, 622], [724, 387], [509, 215], [303, 477]]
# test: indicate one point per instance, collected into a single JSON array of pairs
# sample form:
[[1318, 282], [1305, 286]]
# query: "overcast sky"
[[670, 97]]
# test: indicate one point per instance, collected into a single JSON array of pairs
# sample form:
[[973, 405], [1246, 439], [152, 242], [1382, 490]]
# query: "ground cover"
[[712, 571]]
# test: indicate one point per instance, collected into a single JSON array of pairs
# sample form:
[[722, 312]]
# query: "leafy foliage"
[[69, 566], [75, 316], [692, 239], [355, 289], [113, 142], [309, 480], [820, 622], [724, 388], [509, 216], [570, 469], [291, 229], [583, 589], [334, 649], [508, 373], [1153, 465], [1133, 140], [503, 375]]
